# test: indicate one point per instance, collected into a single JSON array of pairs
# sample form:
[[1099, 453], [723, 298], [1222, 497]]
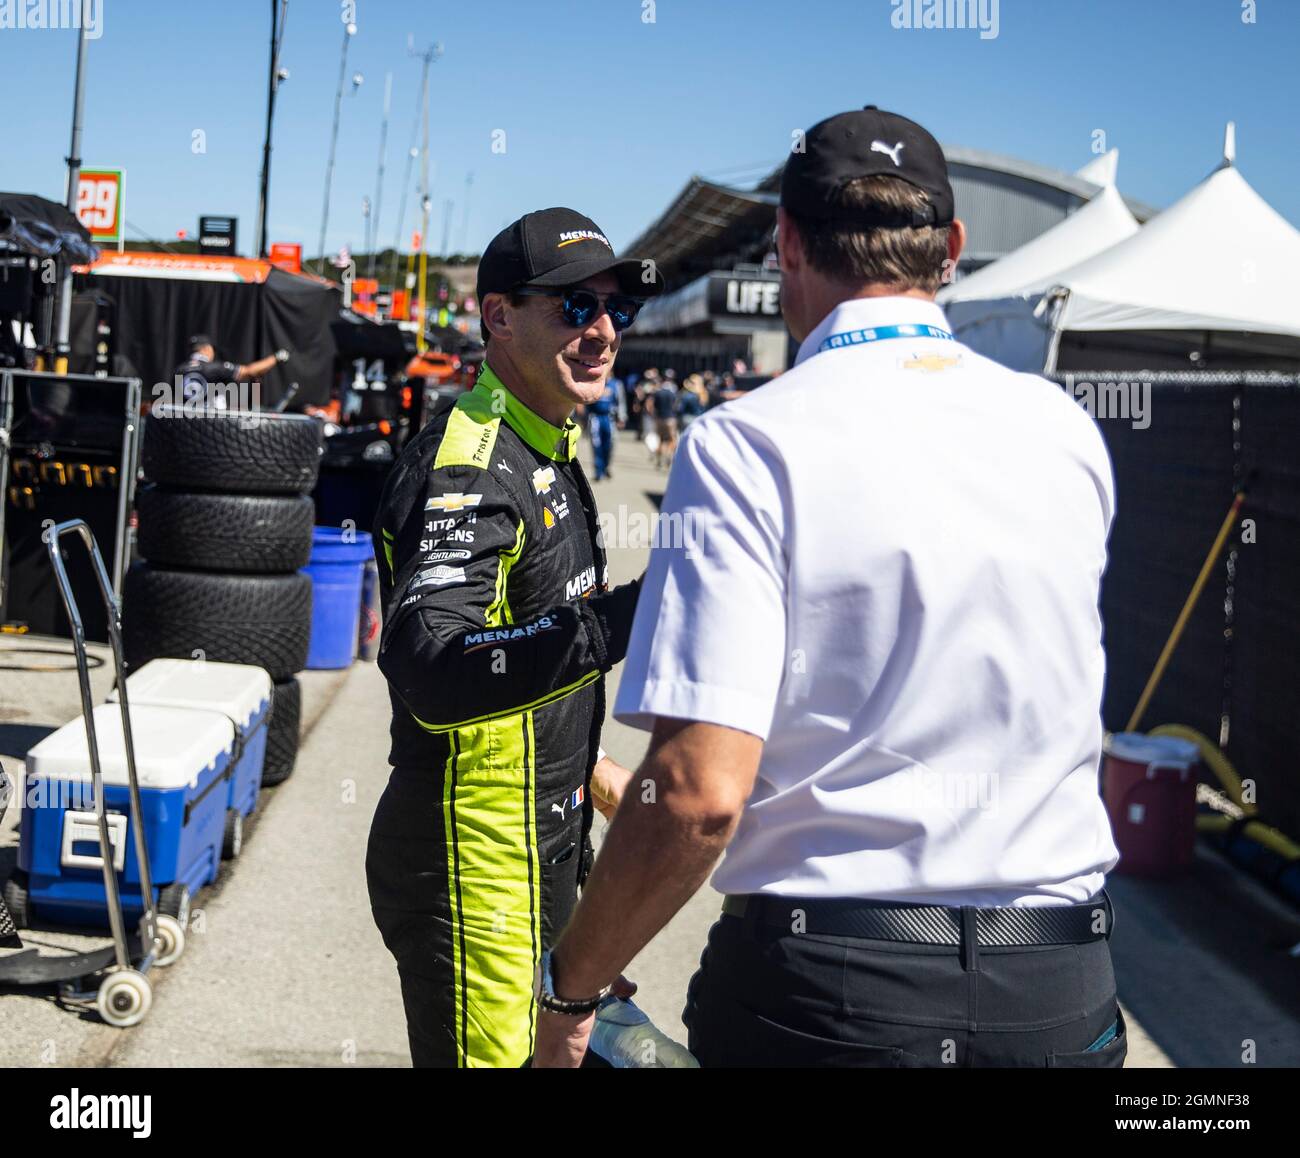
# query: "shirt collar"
[[559, 443], [864, 313]]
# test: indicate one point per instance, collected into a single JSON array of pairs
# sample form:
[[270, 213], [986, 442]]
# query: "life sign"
[[753, 297], [100, 207]]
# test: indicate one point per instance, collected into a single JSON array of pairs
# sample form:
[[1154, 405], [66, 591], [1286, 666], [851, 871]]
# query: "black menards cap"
[[866, 143], [559, 247]]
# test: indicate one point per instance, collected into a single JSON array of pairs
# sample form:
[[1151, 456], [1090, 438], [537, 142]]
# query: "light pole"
[[464, 226], [411, 154], [61, 346], [277, 75], [349, 31], [379, 182], [428, 56], [447, 207]]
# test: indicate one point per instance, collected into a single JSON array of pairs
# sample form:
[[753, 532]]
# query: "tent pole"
[[1054, 343]]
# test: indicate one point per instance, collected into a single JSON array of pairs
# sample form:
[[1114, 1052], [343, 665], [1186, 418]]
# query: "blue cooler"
[[182, 759], [240, 692]]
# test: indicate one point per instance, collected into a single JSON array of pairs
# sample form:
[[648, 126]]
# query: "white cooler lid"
[[1144, 749], [236, 690], [172, 746]]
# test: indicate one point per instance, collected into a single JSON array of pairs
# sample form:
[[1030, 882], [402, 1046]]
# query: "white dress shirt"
[[886, 564]]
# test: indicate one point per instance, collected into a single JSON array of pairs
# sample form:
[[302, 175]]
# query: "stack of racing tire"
[[225, 523]]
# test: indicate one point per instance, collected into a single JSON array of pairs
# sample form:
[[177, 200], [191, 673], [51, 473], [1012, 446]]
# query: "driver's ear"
[[496, 314]]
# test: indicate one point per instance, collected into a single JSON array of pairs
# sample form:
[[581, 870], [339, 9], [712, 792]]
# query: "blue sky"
[[611, 114]]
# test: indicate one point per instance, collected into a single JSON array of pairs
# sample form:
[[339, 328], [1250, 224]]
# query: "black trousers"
[[766, 997]]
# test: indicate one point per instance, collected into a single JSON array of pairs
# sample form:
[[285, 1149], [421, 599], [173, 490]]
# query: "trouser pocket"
[[1106, 1053]]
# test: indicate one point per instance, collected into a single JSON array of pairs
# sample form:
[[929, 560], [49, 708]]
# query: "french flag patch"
[[579, 796]]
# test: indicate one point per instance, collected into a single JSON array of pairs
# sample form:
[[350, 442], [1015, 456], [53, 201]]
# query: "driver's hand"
[[608, 783]]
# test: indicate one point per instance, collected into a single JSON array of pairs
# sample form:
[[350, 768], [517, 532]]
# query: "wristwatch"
[[546, 994]]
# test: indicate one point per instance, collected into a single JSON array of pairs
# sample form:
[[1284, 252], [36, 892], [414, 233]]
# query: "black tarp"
[[1239, 658], [356, 336], [43, 228], [246, 320]]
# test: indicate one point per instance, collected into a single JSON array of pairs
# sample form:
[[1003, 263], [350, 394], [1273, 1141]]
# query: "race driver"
[[498, 629]]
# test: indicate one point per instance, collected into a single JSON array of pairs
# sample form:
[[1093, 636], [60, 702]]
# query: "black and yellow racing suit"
[[498, 630]]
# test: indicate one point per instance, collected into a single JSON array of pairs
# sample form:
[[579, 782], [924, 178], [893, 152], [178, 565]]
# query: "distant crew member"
[[202, 377]]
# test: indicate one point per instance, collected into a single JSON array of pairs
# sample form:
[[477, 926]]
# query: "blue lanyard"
[[879, 334]]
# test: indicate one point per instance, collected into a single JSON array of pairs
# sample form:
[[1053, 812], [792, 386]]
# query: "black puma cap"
[[866, 143]]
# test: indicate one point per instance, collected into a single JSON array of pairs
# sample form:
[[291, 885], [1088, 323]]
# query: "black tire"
[[232, 451], [17, 902], [283, 732], [258, 619], [254, 534], [174, 901], [232, 842]]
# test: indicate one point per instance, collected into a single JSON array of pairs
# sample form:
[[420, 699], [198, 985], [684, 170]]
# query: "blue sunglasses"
[[581, 307]]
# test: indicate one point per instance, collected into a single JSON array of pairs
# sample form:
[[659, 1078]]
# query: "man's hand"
[[562, 1039], [608, 783], [281, 355]]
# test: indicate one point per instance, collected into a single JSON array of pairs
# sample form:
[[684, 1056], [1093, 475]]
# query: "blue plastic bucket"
[[338, 559]]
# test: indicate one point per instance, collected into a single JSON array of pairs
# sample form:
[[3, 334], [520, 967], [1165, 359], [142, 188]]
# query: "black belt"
[[928, 924]]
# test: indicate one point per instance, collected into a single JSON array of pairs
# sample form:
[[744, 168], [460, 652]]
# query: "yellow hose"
[[1270, 838], [1221, 766], [1214, 759]]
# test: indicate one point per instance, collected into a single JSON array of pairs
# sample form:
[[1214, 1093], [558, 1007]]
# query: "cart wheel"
[[124, 998], [17, 899], [233, 841], [171, 940], [174, 901]]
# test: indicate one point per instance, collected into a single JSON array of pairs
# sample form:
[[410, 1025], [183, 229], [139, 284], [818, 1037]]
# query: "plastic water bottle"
[[626, 1038]]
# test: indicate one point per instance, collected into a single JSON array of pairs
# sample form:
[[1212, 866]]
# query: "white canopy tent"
[[1209, 282], [1219, 259], [998, 310], [1035, 267]]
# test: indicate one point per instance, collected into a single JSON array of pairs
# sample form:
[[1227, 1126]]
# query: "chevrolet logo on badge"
[[931, 363], [543, 477], [452, 502]]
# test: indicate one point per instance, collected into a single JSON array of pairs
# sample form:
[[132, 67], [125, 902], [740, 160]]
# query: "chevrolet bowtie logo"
[[543, 478], [452, 502], [930, 363]]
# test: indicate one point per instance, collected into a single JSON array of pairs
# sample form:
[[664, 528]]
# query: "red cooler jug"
[[1149, 786]]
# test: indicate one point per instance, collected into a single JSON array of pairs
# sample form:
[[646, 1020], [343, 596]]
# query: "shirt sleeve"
[[709, 639], [450, 645]]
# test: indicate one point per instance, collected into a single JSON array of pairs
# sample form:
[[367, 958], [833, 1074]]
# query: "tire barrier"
[[257, 619], [248, 534], [282, 738], [226, 526], [232, 451]]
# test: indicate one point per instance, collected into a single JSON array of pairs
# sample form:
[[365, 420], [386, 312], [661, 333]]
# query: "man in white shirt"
[[874, 676]]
